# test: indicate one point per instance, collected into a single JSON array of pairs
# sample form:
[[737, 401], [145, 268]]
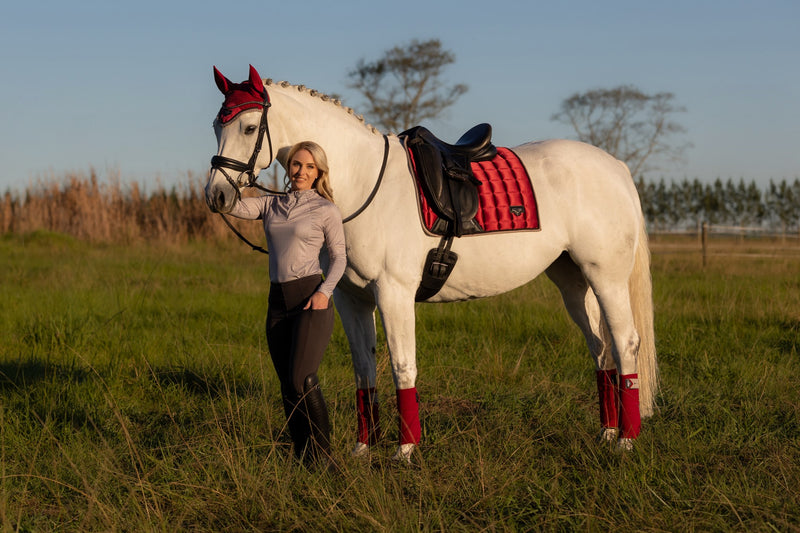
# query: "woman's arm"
[[335, 243], [250, 208]]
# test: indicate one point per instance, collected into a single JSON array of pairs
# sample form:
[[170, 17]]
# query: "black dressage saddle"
[[445, 174], [446, 177]]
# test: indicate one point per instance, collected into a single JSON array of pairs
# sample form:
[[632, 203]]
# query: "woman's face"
[[303, 171]]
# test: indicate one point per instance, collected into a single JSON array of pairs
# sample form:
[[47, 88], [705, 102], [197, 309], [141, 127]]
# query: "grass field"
[[136, 395]]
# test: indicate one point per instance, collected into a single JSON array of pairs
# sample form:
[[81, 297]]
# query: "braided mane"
[[325, 98]]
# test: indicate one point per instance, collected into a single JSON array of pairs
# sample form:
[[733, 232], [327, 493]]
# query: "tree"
[[754, 207], [404, 86], [630, 125], [782, 203], [695, 194]]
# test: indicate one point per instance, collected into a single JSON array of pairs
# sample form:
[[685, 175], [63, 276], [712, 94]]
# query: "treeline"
[[83, 207], [687, 204]]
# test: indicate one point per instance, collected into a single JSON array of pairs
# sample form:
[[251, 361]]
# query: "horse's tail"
[[641, 293]]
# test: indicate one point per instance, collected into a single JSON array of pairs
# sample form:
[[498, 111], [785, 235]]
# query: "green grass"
[[136, 394]]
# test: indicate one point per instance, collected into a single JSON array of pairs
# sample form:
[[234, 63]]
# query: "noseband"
[[221, 163]]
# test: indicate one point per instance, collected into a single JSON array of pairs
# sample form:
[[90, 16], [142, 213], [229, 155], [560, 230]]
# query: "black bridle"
[[221, 163]]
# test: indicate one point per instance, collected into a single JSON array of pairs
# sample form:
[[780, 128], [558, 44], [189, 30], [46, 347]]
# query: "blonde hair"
[[323, 183]]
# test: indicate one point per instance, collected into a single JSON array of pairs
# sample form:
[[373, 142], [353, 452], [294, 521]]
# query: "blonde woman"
[[300, 314]]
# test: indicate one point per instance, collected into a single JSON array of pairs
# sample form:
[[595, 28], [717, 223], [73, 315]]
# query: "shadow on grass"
[[791, 343], [24, 373], [214, 386], [153, 410]]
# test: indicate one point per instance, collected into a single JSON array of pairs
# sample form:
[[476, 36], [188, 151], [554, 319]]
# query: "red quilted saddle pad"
[[506, 200]]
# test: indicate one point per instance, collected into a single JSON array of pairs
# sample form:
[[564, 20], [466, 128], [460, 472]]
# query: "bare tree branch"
[[630, 125], [404, 87]]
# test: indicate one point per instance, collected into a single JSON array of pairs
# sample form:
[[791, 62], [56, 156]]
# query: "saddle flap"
[[445, 174]]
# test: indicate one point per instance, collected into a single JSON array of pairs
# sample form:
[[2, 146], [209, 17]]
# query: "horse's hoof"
[[403, 454], [607, 435], [625, 445], [361, 450]]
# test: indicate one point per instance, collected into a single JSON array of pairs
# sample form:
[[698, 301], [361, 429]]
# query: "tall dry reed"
[[112, 212]]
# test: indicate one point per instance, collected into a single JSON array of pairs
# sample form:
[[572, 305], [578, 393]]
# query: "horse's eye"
[[249, 130]]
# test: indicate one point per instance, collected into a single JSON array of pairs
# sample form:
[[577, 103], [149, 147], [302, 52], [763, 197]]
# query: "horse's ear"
[[222, 82], [255, 80]]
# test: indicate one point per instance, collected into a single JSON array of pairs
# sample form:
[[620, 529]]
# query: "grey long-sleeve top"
[[297, 227]]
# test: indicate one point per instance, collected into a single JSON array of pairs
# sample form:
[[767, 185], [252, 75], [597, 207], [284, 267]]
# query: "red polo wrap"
[[630, 421], [368, 422], [408, 406], [609, 396]]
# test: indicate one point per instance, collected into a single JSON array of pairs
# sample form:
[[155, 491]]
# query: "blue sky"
[[127, 89]]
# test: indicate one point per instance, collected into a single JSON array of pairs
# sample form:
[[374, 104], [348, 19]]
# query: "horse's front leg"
[[357, 312], [396, 305]]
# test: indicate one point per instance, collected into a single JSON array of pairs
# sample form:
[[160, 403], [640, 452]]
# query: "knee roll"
[[310, 382]]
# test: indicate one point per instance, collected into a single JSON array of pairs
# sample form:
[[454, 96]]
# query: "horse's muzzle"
[[220, 195]]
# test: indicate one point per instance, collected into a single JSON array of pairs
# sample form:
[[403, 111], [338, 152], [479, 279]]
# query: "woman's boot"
[[319, 423], [297, 422]]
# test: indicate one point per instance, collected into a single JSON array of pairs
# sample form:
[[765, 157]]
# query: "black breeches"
[[297, 338]]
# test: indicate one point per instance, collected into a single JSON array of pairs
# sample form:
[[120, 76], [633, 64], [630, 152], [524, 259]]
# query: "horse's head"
[[241, 127]]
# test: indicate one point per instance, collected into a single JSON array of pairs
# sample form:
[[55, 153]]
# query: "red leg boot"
[[408, 407], [630, 421], [608, 394], [369, 430]]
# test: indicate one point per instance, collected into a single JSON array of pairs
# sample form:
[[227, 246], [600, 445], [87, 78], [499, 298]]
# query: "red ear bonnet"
[[249, 94], [222, 81]]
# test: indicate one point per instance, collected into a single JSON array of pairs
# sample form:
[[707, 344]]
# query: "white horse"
[[592, 244]]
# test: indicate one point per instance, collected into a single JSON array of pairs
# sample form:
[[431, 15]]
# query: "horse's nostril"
[[215, 200]]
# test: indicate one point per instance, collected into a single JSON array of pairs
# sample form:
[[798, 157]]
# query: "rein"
[[377, 183], [218, 161], [255, 247]]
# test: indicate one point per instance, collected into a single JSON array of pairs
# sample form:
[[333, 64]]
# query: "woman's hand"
[[317, 301]]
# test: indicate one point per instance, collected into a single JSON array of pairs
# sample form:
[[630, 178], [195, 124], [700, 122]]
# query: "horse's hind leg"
[[609, 279], [584, 310], [358, 319]]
